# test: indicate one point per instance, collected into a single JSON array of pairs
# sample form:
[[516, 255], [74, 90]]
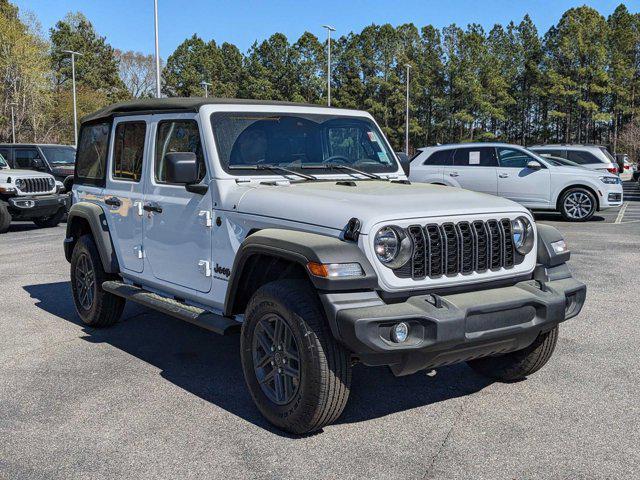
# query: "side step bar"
[[207, 320]]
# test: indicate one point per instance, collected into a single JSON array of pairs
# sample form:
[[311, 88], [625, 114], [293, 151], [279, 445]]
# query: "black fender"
[[86, 213], [546, 255], [302, 248]]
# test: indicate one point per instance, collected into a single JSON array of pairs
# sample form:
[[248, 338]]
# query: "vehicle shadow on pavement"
[[208, 365], [557, 217]]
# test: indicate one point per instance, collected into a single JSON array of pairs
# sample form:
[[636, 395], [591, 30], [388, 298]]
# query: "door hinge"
[[206, 216], [205, 268], [138, 252]]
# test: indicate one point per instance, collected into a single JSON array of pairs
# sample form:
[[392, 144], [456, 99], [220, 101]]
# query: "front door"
[[519, 183], [125, 185], [474, 169], [177, 227]]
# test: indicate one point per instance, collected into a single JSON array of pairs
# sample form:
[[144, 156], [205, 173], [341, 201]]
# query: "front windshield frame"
[[373, 166], [48, 151]]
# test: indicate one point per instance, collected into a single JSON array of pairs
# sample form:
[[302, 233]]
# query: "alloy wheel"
[[85, 282], [276, 359], [578, 205]]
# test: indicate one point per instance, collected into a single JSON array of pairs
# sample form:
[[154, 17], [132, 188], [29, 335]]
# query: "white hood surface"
[[331, 205], [23, 173]]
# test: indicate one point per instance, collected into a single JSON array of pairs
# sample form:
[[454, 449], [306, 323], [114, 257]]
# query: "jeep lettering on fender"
[[325, 255]]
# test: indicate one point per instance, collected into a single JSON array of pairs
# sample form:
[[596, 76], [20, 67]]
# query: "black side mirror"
[[182, 167], [404, 162], [534, 165], [37, 163]]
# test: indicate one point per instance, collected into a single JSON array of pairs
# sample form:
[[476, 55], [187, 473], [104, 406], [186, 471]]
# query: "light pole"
[[329, 30], [206, 86], [406, 127], [13, 122], [75, 106], [155, 16]]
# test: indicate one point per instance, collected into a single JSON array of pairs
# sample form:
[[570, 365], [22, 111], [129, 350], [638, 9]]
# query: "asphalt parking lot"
[[157, 398]]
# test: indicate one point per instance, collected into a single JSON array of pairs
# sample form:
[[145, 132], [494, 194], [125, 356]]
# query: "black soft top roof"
[[177, 104]]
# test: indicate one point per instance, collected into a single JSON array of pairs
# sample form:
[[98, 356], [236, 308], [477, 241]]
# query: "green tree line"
[[577, 82]]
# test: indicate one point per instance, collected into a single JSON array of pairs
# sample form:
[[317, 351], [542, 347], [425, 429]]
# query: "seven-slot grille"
[[36, 185], [463, 247]]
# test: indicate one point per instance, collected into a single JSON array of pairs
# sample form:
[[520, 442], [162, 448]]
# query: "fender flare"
[[302, 248], [95, 217], [546, 256]]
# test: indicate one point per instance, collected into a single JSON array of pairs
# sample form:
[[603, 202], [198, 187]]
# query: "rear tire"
[[313, 388], [519, 364], [5, 218], [578, 205], [95, 307], [50, 221]]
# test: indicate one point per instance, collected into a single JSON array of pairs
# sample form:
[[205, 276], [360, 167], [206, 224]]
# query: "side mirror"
[[404, 162], [182, 167], [534, 165], [37, 163]]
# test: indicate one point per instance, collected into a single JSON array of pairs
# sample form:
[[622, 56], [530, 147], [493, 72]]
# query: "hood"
[[582, 171], [330, 204], [23, 173]]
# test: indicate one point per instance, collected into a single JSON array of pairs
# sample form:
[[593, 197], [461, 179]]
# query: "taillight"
[[613, 170], [626, 167]]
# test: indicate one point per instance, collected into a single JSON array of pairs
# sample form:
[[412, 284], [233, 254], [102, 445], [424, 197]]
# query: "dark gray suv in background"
[[57, 160]]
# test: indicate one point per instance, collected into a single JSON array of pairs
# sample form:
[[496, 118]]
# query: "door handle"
[[152, 207], [454, 174], [113, 202], [503, 175]]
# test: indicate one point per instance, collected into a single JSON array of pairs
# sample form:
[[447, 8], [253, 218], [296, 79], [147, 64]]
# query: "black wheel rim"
[[276, 360], [85, 282]]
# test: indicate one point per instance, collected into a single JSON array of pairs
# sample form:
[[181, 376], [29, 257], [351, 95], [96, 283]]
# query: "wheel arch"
[[590, 188]]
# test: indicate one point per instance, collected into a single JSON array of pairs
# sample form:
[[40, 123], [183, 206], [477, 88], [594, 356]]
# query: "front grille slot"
[[35, 185], [459, 248]]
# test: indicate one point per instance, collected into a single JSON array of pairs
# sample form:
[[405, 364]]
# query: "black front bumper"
[[37, 206], [452, 328]]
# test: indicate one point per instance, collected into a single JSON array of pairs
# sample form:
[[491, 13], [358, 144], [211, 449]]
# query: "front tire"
[[298, 375], [96, 307], [578, 205], [519, 364], [5, 218], [50, 221]]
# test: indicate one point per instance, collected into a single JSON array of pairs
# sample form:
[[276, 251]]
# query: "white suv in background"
[[593, 157], [518, 174]]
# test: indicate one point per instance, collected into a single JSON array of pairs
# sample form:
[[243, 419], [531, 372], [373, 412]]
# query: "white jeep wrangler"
[[296, 224], [30, 195]]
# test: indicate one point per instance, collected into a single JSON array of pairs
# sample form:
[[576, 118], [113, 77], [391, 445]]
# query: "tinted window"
[[439, 158], [3, 162], [24, 157], [482, 157], [607, 154], [553, 153], [128, 151], [5, 152], [582, 158], [59, 155], [178, 136], [91, 160], [512, 158]]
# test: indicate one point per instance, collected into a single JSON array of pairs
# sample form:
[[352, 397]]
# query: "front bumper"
[[454, 328], [611, 197], [37, 206]]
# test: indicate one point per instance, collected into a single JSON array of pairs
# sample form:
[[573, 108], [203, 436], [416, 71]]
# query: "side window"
[[439, 158], [91, 158], [478, 157], [177, 136], [24, 157], [6, 154], [582, 158], [553, 153], [512, 158], [128, 151]]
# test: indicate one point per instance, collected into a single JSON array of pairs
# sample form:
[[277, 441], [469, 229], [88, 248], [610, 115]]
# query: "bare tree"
[[137, 71], [630, 139]]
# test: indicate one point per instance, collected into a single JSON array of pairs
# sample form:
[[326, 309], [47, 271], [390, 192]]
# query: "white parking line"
[[621, 212]]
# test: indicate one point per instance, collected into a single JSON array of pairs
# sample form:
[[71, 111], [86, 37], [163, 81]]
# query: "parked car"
[[594, 157], [521, 175], [29, 195], [624, 165], [56, 160], [296, 224]]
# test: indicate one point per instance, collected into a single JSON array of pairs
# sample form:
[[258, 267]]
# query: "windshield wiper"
[[263, 166], [340, 166]]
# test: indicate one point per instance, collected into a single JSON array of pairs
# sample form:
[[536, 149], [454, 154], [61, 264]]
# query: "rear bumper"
[[37, 206], [454, 328]]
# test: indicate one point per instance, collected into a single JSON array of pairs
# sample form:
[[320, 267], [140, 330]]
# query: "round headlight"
[[522, 234], [52, 182], [392, 246], [20, 184]]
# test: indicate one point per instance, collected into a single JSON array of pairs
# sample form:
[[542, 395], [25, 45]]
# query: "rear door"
[[517, 182], [177, 225], [474, 168], [125, 187]]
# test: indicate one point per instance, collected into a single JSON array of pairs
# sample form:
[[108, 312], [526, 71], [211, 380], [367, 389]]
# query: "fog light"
[[559, 247], [400, 332]]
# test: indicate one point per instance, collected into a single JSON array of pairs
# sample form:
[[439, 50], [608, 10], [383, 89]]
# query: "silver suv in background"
[[593, 157]]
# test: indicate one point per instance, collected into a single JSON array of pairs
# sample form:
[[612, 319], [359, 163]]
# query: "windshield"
[[60, 155], [298, 141], [3, 162]]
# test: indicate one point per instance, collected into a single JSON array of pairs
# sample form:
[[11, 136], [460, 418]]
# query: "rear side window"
[[582, 158], [128, 151], [439, 158], [91, 158], [553, 153], [478, 157], [177, 136]]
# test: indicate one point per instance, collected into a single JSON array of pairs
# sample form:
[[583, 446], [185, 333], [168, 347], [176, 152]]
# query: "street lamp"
[[206, 86], [75, 106], [155, 17], [13, 122], [329, 30], [406, 127]]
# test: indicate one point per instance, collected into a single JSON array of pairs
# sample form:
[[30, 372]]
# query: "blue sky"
[[128, 24]]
